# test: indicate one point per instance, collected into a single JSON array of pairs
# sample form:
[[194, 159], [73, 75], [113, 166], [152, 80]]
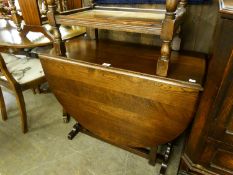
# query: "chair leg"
[[21, 105], [3, 106]]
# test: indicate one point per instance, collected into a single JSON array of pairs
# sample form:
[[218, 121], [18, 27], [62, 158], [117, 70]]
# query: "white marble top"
[[24, 69]]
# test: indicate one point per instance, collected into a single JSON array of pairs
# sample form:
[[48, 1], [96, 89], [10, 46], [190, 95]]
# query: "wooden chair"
[[19, 73], [35, 22]]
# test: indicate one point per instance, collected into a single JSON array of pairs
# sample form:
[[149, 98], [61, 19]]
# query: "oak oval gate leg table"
[[130, 95]]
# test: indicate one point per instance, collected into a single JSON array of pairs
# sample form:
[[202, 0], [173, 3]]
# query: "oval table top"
[[10, 37]]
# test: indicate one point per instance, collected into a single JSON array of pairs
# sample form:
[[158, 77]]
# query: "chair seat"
[[24, 69]]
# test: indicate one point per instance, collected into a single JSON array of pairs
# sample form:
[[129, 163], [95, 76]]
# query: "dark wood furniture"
[[209, 149], [32, 18], [19, 74], [113, 89], [125, 103]]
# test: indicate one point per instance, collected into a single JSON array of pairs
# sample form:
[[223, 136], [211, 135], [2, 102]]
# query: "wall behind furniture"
[[197, 33]]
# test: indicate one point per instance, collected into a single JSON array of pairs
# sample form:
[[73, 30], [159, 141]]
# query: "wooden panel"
[[223, 160], [230, 125], [209, 104], [199, 26], [30, 12], [74, 4], [223, 126], [210, 146]]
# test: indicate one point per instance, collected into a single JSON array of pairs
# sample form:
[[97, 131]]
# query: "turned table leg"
[[167, 36], [59, 45]]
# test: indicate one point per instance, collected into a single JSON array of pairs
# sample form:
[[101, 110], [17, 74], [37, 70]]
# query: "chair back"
[[30, 12]]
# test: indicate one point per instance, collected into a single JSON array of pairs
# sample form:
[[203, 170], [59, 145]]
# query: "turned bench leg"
[[164, 59], [167, 34]]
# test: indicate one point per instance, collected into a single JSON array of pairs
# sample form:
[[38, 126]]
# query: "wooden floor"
[[136, 57]]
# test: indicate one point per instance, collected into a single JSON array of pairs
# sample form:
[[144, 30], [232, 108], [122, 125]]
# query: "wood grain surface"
[[146, 21], [136, 57], [129, 108]]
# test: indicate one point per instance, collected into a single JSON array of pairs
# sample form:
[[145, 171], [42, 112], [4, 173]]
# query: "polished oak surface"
[[10, 37], [136, 57], [124, 103]]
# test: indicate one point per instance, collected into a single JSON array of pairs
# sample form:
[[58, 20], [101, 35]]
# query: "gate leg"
[[166, 159], [153, 155]]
